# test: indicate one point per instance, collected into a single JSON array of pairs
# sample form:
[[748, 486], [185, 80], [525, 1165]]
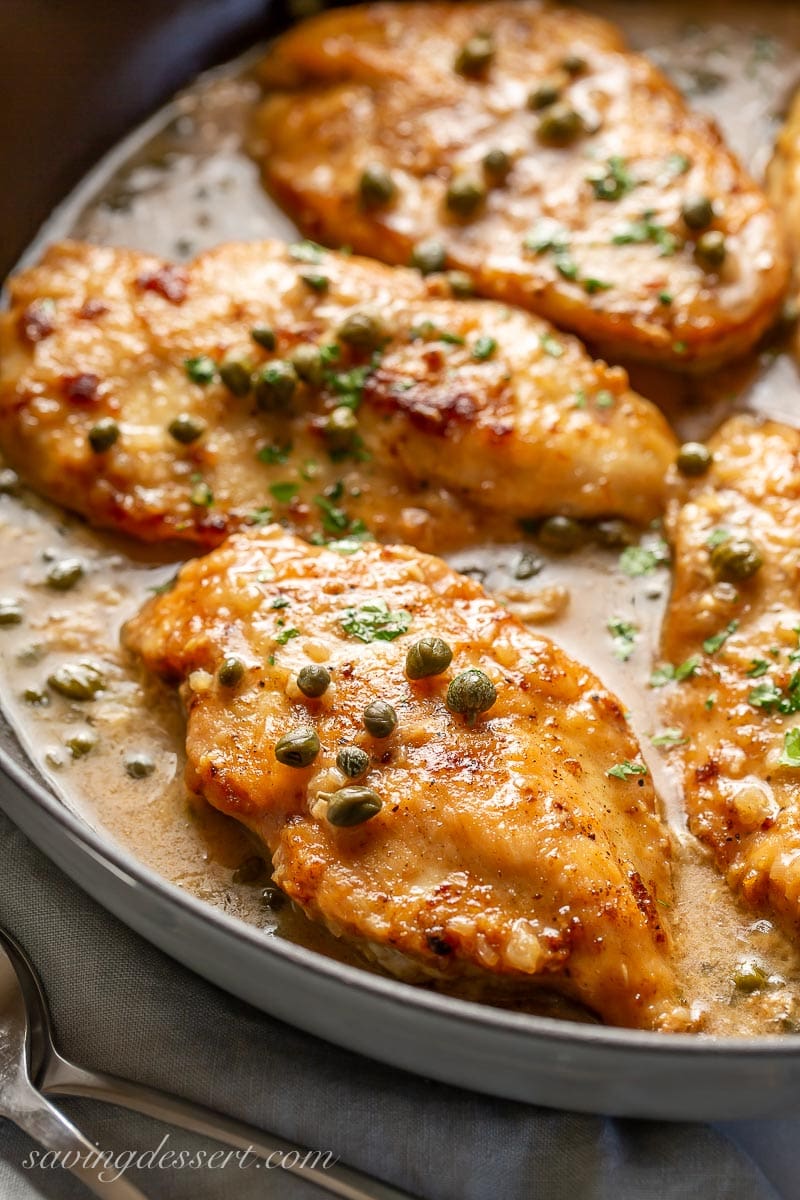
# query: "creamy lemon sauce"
[[183, 184]]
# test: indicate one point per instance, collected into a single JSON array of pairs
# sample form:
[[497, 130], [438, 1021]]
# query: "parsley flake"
[[375, 622]]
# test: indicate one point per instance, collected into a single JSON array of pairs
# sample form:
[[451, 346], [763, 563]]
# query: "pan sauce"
[[183, 184]]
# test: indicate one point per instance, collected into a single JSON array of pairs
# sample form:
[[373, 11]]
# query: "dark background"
[[77, 74]]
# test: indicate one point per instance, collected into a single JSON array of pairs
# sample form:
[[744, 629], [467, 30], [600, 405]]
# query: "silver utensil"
[[27, 1012], [21, 1103]]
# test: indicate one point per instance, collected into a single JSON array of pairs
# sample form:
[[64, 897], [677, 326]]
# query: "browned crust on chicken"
[[502, 847], [741, 800], [533, 427], [589, 234]]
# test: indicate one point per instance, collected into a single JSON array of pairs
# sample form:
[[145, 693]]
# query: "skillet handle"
[[66, 1079]]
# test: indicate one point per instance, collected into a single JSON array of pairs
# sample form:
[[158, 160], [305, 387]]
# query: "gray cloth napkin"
[[121, 1005]]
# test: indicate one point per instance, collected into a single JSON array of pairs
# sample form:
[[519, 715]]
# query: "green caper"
[[464, 196], [711, 249], [475, 55], [496, 164], [363, 330], [314, 680], [37, 696], [561, 534], [65, 574], [376, 186], [103, 434], [81, 743], [614, 532], [139, 766], [470, 693], [77, 681], [352, 761], [574, 64], [545, 94], [298, 748], [736, 559], [461, 284], [697, 212], [693, 458], [9, 482], [275, 385], [265, 337], [341, 428], [560, 125], [250, 870], [749, 976], [10, 613], [236, 374], [231, 672], [428, 656], [380, 719], [186, 429], [429, 256], [307, 362], [353, 806]]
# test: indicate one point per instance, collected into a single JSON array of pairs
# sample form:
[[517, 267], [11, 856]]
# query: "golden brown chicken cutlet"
[[732, 636], [527, 146], [434, 783], [183, 402]]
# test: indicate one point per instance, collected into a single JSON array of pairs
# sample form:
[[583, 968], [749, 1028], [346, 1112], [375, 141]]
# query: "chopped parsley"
[[624, 638], [665, 298], [627, 769], [483, 348], [604, 398], [758, 667], [280, 601], [426, 331], [274, 455], [551, 345], [771, 698], [647, 230], [636, 561], [717, 537], [677, 164], [668, 738], [375, 622], [286, 635], [201, 369], [307, 252], [201, 494], [790, 755], [714, 643], [316, 283], [260, 516], [284, 492], [613, 181], [348, 386], [591, 285], [667, 673]]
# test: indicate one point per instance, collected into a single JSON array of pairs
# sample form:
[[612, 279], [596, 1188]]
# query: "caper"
[[103, 434], [545, 94], [574, 64], [461, 284], [711, 250], [313, 681], [429, 256], [475, 55], [376, 186], [185, 429], [352, 761], [65, 574], [236, 374], [77, 681], [231, 672], [613, 532], [250, 870], [10, 613], [749, 976], [693, 458], [560, 125], [527, 565], [275, 385], [363, 330], [496, 164], [380, 719], [307, 362], [464, 196], [428, 656], [341, 428], [139, 766], [9, 482], [298, 748], [470, 693], [697, 212], [561, 534], [353, 805], [263, 336], [81, 743], [736, 559], [37, 696]]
